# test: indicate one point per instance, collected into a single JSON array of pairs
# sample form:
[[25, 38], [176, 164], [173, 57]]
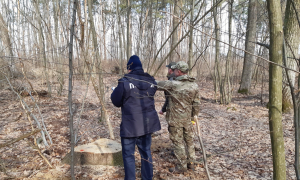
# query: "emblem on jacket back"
[[131, 86]]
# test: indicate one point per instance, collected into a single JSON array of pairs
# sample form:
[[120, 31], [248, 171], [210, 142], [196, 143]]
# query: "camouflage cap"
[[171, 64], [182, 66]]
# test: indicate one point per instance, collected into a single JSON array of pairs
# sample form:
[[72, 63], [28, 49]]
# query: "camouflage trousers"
[[181, 136]]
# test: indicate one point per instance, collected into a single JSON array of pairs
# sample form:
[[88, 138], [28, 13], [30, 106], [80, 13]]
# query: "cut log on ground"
[[101, 152]]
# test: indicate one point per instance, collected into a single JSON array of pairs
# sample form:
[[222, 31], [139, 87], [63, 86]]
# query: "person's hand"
[[160, 112]]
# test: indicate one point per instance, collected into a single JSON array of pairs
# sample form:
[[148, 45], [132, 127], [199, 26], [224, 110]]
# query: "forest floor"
[[236, 136]]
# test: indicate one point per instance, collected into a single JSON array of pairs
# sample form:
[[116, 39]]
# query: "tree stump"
[[101, 152]]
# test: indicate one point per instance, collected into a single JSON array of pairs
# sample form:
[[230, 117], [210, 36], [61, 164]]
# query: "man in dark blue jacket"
[[135, 95]]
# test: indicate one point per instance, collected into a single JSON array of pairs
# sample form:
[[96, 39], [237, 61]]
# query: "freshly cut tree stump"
[[101, 152]]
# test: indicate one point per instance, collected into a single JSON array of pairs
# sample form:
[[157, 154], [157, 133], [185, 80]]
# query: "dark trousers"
[[128, 147]]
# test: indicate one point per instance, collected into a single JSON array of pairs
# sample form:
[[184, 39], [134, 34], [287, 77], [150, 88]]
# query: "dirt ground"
[[236, 136]]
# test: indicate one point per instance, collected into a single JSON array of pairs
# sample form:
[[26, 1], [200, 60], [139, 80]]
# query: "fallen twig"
[[202, 146], [36, 147], [43, 123], [19, 138], [28, 111]]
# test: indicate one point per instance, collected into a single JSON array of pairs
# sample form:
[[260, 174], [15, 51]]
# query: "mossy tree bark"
[[275, 89]]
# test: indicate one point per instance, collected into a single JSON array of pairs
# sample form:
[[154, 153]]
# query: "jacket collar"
[[137, 70], [185, 78]]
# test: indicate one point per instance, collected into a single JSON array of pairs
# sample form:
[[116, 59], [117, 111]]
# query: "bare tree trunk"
[[275, 89], [42, 44], [55, 14], [104, 115], [250, 47], [19, 27], [225, 89], [217, 75], [129, 40], [296, 112], [60, 78], [292, 35], [141, 25], [124, 37], [86, 38], [196, 21], [120, 38], [174, 39], [48, 25], [70, 88], [104, 32], [5, 37], [175, 45], [23, 34], [291, 22], [191, 37], [150, 34]]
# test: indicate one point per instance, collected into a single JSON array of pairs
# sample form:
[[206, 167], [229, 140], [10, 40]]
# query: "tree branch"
[[20, 138]]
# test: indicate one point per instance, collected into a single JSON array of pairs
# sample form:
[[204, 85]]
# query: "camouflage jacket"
[[184, 100], [170, 77]]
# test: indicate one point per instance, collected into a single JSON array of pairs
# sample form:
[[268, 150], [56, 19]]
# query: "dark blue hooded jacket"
[[135, 95]]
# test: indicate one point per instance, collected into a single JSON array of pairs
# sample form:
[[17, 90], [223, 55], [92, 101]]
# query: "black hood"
[[140, 79]]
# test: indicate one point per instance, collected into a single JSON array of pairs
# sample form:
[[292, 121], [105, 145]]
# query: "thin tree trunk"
[[191, 37], [225, 89], [217, 76], [119, 27], [104, 115], [23, 34], [129, 41], [275, 90], [175, 22], [5, 37], [61, 81], [171, 34], [70, 88], [55, 18], [42, 44], [141, 23], [19, 27], [150, 34], [104, 32]]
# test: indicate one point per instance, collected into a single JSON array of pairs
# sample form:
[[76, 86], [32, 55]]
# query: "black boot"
[[172, 153], [191, 166]]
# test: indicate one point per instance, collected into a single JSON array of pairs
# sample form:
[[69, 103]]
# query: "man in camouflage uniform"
[[183, 104]]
